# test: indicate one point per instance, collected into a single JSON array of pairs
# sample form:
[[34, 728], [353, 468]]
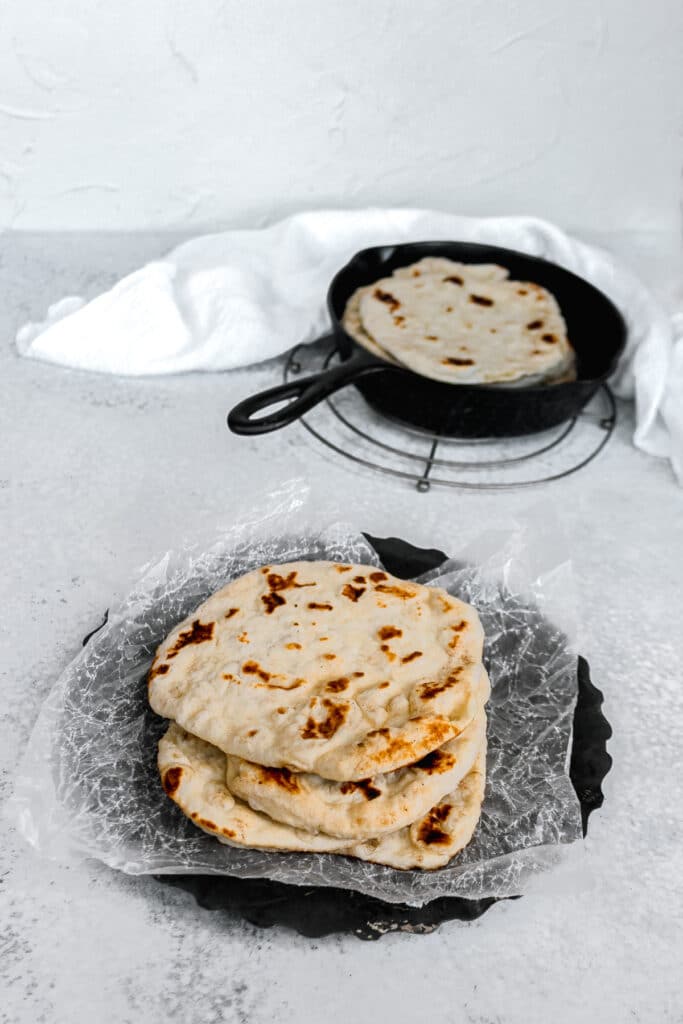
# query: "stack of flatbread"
[[463, 323], [323, 707]]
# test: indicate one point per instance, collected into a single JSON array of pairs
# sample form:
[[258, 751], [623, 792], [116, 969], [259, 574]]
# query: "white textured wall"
[[198, 113]]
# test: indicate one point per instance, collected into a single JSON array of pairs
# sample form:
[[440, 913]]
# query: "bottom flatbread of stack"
[[193, 774]]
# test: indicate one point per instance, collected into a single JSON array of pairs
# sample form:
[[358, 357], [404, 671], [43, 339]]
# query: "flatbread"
[[434, 840], [442, 265], [429, 265], [353, 325], [339, 670], [358, 810], [193, 775], [462, 323]]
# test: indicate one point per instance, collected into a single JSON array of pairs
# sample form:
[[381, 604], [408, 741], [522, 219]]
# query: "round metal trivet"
[[439, 450]]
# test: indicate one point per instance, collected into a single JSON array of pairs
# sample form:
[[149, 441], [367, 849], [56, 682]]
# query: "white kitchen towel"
[[239, 297]]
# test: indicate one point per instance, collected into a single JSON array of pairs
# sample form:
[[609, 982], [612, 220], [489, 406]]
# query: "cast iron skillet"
[[595, 327]]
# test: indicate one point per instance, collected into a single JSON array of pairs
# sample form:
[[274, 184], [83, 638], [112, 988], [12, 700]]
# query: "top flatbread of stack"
[[463, 323], [339, 670]]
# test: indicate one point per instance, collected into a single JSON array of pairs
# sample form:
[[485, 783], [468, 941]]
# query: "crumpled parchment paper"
[[88, 782]]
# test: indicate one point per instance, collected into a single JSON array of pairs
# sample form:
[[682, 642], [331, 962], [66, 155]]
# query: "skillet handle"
[[302, 394]]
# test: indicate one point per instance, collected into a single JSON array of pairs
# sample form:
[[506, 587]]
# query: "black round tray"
[[314, 911]]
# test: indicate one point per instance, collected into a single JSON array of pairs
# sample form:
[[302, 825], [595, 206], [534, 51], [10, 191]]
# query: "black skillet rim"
[[433, 246]]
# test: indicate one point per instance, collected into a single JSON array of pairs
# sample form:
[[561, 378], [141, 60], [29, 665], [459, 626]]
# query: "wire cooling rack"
[[347, 425]]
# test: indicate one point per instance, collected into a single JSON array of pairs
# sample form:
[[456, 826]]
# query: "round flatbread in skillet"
[[363, 809], [462, 323], [339, 670], [441, 265], [353, 325], [193, 775]]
